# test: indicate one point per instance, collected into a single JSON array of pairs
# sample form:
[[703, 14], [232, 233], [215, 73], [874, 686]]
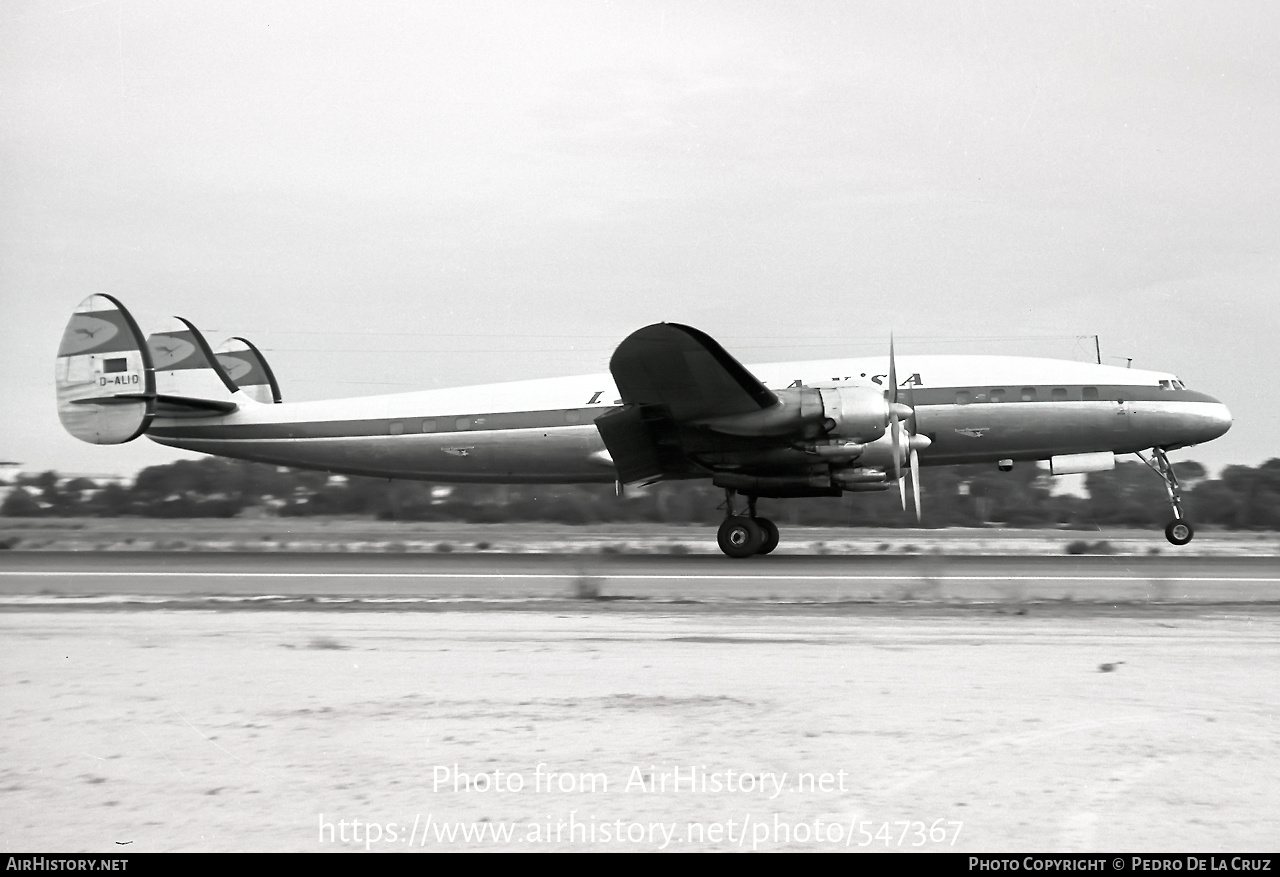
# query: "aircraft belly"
[[501, 456], [1032, 430]]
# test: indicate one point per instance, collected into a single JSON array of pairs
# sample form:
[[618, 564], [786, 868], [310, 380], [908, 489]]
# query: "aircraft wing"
[[673, 380], [686, 372]]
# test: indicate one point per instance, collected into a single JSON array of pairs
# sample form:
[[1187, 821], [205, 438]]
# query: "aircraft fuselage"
[[972, 409]]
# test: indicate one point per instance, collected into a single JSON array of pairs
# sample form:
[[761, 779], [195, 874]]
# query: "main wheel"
[[1178, 531], [770, 530], [740, 536]]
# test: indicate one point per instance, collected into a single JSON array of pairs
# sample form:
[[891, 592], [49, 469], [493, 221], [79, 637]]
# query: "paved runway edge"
[[550, 582]]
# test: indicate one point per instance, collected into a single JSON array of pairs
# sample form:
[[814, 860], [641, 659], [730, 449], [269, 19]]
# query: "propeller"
[[894, 425], [897, 411], [915, 442]]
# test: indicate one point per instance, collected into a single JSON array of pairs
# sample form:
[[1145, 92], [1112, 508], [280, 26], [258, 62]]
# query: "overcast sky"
[[394, 196]]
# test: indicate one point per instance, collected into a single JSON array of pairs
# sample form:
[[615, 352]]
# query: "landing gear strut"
[[1178, 531], [745, 535]]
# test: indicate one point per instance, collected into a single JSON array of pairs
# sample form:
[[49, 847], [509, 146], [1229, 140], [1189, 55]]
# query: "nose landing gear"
[[745, 535], [1178, 531]]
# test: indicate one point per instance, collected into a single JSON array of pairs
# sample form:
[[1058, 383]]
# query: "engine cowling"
[[857, 413], [795, 410]]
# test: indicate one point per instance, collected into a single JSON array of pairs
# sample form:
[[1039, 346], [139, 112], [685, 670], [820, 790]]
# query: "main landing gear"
[[1178, 531], [745, 535]]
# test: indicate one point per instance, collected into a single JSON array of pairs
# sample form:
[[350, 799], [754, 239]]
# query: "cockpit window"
[[1166, 385]]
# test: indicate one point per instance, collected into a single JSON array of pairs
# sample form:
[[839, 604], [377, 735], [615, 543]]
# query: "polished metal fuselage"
[[972, 409]]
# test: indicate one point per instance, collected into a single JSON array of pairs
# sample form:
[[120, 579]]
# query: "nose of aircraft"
[[1221, 419], [1188, 422], [1215, 420]]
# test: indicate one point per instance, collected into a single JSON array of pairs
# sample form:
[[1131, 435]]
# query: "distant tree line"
[[1243, 497]]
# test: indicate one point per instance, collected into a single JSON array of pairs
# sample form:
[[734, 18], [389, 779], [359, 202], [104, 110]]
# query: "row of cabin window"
[[487, 421], [1028, 394], [572, 417]]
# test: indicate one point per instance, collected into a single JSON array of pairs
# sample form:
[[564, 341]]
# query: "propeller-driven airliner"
[[675, 405]]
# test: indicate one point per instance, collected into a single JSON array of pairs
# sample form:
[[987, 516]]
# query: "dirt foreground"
[[979, 731]]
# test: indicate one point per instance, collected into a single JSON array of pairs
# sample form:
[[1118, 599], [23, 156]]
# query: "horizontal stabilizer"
[[186, 406], [165, 406], [111, 400], [103, 374], [248, 370]]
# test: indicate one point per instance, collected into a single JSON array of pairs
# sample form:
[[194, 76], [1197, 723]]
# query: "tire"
[[740, 536], [770, 530], [1179, 531]]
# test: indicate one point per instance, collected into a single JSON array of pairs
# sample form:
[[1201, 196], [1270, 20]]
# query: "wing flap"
[[635, 454]]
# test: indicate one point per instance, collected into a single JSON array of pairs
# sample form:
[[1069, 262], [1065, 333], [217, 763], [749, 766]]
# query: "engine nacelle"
[[856, 478], [796, 408], [859, 413]]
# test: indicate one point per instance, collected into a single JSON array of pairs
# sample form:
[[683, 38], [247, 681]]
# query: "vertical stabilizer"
[[248, 370], [186, 369], [104, 377]]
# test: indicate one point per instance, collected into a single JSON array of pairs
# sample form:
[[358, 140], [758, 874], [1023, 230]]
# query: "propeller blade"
[[893, 373], [894, 424], [909, 399], [915, 480], [896, 428]]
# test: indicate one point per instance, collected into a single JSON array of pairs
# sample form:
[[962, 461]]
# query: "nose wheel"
[[746, 535], [1178, 531]]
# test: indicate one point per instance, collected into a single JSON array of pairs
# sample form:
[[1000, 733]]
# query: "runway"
[[474, 702], [71, 578]]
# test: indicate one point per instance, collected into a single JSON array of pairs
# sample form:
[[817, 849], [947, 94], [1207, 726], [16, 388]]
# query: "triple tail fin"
[[112, 382], [104, 376]]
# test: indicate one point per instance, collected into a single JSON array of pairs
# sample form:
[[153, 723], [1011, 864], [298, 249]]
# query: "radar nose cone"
[[1218, 420], [1211, 420]]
